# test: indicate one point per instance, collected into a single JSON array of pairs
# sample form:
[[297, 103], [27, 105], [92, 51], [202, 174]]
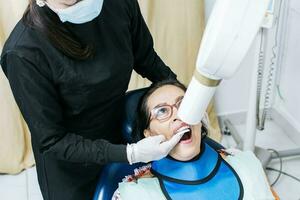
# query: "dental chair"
[[113, 173]]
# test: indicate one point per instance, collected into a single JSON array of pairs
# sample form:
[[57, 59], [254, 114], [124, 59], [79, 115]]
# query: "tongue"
[[186, 136]]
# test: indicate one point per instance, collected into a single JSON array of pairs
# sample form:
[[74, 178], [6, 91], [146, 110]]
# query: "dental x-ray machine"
[[230, 31]]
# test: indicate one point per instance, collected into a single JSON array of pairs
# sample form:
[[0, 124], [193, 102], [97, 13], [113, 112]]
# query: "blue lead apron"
[[206, 177]]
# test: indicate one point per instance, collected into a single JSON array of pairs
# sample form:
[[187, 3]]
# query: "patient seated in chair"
[[193, 170]]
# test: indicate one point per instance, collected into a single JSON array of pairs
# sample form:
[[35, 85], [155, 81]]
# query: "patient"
[[193, 169]]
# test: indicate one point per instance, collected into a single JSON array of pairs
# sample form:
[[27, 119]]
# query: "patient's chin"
[[184, 154]]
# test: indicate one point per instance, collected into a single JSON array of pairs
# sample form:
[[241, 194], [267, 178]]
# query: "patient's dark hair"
[[142, 119]]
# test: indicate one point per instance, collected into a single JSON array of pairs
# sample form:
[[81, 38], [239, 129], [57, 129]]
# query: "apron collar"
[[198, 170]]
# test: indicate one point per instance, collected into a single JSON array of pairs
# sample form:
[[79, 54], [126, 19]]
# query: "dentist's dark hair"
[[142, 119], [48, 23]]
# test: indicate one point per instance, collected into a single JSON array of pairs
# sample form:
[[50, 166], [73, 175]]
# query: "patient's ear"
[[147, 133]]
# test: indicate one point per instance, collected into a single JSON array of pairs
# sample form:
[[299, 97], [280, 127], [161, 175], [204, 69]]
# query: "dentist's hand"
[[151, 148]]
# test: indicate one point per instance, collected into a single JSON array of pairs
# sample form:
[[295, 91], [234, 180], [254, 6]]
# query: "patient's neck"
[[196, 155]]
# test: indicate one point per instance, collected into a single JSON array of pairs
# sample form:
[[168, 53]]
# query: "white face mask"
[[82, 12]]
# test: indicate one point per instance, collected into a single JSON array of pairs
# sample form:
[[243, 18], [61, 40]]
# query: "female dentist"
[[69, 63]]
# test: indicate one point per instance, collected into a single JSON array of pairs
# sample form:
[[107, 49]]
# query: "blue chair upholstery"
[[113, 173], [130, 106]]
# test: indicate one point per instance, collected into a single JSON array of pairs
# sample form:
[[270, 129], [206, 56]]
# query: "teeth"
[[184, 131], [184, 128]]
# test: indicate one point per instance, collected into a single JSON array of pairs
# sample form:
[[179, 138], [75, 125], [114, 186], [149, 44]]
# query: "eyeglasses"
[[163, 112]]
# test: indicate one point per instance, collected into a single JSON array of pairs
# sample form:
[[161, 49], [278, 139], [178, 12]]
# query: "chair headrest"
[[130, 109]]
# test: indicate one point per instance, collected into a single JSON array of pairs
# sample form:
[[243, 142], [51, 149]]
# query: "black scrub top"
[[72, 107]]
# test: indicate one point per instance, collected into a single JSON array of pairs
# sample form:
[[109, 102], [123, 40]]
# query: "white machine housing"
[[230, 31]]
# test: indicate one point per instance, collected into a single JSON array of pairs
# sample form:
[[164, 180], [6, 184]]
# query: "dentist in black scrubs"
[[69, 63]]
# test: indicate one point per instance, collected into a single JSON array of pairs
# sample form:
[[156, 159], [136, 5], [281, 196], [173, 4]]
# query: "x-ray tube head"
[[230, 31]]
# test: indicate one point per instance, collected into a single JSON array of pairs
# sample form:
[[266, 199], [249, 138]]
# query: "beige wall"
[[10, 12], [15, 146], [176, 27]]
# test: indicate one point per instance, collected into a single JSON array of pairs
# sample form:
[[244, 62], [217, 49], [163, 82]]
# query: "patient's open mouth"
[[186, 138], [187, 135]]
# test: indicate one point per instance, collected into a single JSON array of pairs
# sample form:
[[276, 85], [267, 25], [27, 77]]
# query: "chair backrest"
[[113, 173], [129, 113]]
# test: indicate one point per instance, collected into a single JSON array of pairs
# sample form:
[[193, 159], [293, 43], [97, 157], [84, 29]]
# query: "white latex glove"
[[151, 148]]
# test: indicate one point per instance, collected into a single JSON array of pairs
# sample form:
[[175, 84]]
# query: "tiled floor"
[[25, 187]]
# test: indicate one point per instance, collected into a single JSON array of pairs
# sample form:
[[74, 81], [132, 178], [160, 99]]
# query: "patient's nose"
[[174, 116]]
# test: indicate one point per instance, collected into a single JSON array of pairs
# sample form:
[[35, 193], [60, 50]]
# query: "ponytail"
[[48, 23]]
